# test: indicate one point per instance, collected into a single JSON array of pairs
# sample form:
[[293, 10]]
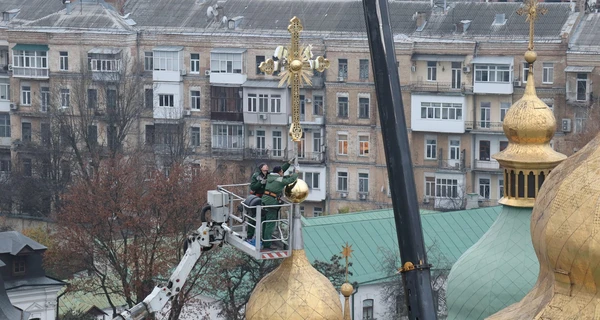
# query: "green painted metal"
[[30, 47]]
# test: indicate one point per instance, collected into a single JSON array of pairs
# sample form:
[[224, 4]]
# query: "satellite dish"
[[212, 12]]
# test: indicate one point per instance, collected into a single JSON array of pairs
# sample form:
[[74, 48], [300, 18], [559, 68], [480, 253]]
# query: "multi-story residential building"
[[203, 96]]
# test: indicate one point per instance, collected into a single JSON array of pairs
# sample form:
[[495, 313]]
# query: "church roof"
[[372, 235], [13, 242]]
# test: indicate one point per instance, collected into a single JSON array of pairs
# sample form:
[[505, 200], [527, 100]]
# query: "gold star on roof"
[[347, 253]]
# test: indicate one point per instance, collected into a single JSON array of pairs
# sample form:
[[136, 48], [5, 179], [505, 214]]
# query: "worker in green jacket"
[[276, 182]]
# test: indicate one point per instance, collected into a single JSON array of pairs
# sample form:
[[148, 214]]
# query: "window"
[[317, 212], [430, 148], [111, 137], [92, 98], [30, 63], [500, 188], [484, 188], [484, 115], [342, 144], [302, 107], [343, 107], [4, 91], [363, 108], [93, 134], [102, 62], [195, 133], [368, 309], [342, 181], [166, 60], [276, 103], [63, 61], [166, 100], [454, 147], [148, 61], [317, 105], [4, 125], [525, 71], [44, 98], [363, 145], [436, 110], [547, 72], [19, 263], [149, 98], [252, 102], [27, 168], [492, 73], [580, 117], [195, 63], [263, 103], [431, 71], [429, 187], [65, 98], [582, 86], [363, 73], [277, 144], [260, 139], [343, 68], [259, 60], [312, 179], [150, 134], [111, 99], [301, 147], [195, 99], [484, 150], [503, 145], [5, 165], [227, 136], [317, 142], [446, 188], [456, 75], [302, 210], [363, 182], [26, 95], [226, 62], [504, 106], [45, 133]]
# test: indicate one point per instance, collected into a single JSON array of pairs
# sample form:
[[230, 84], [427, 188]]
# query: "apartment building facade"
[[460, 69]]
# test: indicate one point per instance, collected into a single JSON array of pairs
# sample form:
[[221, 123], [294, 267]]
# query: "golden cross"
[[297, 69], [532, 10], [347, 253]]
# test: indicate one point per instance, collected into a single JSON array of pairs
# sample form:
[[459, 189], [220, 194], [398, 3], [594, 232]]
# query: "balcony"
[[488, 165], [235, 115], [25, 72], [311, 157], [453, 165], [435, 86], [264, 154], [484, 126], [234, 153]]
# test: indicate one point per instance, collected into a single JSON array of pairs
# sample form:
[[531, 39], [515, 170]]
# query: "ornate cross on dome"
[[532, 10], [297, 66]]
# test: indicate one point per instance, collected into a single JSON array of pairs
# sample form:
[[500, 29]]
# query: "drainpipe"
[[353, 293]]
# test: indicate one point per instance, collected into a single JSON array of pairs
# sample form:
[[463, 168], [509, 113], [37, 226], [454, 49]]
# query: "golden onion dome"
[[295, 290], [297, 191], [566, 238]]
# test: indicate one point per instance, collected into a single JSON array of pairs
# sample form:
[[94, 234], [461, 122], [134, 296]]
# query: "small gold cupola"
[[529, 158]]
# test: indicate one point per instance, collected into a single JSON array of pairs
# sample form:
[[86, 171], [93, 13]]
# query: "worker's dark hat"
[[277, 169]]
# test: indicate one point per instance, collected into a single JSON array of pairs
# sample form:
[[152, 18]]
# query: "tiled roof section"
[[372, 235], [82, 16], [497, 271], [31, 9], [587, 36], [13, 242], [329, 16]]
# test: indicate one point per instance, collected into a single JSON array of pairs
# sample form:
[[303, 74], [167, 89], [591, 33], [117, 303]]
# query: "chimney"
[[463, 26]]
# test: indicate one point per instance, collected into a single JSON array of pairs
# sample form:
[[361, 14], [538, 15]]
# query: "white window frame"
[[344, 178], [30, 63], [492, 73], [485, 117], [525, 71], [25, 94], [148, 61], [275, 103], [504, 106], [453, 148], [500, 187], [342, 144], [310, 178], [317, 211], [431, 71], [263, 103], [227, 136], [195, 99], [231, 63], [362, 144], [547, 72], [252, 102], [447, 188], [345, 106], [317, 140], [194, 63], [580, 119], [166, 100], [5, 125], [277, 150], [195, 133], [363, 69], [261, 140], [363, 181], [5, 91], [441, 111], [485, 187], [65, 98], [343, 68], [166, 60], [44, 98], [429, 186], [63, 60], [430, 147], [361, 115]]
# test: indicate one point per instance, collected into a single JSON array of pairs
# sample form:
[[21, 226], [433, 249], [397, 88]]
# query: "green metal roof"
[[84, 301], [372, 235], [30, 47], [497, 271]]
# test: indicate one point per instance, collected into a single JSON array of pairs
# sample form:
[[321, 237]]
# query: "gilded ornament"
[[296, 192]]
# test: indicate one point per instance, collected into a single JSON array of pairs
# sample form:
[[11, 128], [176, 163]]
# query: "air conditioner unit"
[[341, 78], [343, 195], [207, 72], [566, 125], [426, 200], [466, 69], [263, 116], [183, 72], [308, 101], [13, 106], [469, 126], [413, 68], [362, 196], [517, 83], [250, 132], [187, 112], [10, 67]]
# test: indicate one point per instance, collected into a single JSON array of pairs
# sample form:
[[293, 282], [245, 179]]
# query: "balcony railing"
[[451, 164], [483, 125], [228, 152], [30, 72], [483, 202], [313, 157], [253, 153], [440, 86], [487, 164]]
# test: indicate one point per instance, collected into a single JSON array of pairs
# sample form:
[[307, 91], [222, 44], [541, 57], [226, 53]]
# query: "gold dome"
[[296, 192], [564, 230], [529, 126], [295, 290]]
